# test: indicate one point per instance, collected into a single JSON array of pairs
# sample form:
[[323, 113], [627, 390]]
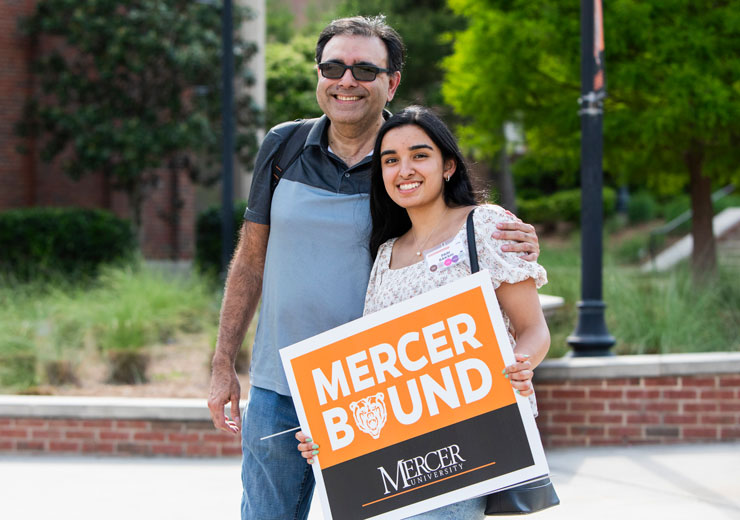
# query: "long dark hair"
[[391, 220]]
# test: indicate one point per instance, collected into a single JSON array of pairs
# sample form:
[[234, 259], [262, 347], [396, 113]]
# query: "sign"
[[410, 406]]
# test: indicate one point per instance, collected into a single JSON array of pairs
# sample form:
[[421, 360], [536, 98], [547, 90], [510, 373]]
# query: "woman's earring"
[[447, 179]]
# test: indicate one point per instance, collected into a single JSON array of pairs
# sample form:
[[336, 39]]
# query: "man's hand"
[[241, 295], [225, 388], [524, 234]]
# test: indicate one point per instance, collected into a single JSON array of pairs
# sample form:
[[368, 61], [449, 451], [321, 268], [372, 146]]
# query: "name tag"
[[446, 254]]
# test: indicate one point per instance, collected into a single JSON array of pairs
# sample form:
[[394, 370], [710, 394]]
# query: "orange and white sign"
[[410, 405]]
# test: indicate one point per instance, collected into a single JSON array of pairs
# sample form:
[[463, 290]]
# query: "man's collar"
[[319, 129]]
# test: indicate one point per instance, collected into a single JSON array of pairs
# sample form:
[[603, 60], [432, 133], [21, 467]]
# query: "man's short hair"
[[368, 27]]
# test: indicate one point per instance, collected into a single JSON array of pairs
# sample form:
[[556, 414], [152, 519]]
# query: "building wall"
[[16, 171], [27, 181]]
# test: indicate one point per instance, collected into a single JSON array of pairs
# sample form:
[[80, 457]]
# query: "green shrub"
[[641, 207], [208, 237], [47, 242], [730, 201], [674, 207], [562, 206], [17, 363], [136, 307], [632, 250], [664, 313], [646, 313]]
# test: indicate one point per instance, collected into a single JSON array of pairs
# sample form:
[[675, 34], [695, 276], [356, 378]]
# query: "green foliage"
[[208, 237], [672, 113], [280, 21], [48, 242], [663, 314], [679, 204], [675, 206], [125, 89], [632, 250], [124, 320], [646, 313], [729, 201], [520, 61], [562, 206], [291, 80], [641, 207], [17, 363], [123, 310], [535, 175]]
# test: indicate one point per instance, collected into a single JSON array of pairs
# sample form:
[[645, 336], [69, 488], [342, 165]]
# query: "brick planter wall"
[[104, 437], [582, 402], [678, 398], [111, 426]]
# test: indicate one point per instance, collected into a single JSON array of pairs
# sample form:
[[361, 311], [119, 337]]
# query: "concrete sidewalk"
[[652, 482]]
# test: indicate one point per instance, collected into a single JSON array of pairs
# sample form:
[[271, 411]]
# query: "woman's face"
[[413, 167]]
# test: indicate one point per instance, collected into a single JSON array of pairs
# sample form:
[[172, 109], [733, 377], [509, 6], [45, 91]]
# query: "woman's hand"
[[520, 374], [306, 446]]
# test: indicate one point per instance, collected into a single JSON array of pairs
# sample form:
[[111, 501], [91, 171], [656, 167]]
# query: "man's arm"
[[521, 232], [241, 296], [524, 234]]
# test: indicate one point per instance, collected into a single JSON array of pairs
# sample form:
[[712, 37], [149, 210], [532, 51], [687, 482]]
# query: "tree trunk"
[[704, 254]]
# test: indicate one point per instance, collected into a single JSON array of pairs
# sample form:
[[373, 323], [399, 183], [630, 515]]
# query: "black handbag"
[[529, 497]]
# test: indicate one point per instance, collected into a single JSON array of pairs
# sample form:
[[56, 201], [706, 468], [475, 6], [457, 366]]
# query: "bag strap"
[[289, 150], [472, 251]]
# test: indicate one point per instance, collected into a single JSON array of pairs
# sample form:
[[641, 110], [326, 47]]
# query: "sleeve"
[[505, 267], [371, 303], [260, 198]]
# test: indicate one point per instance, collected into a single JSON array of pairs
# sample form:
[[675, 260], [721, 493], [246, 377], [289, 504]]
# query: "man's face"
[[347, 100]]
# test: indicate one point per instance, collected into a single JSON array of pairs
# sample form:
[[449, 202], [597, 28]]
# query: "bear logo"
[[370, 414]]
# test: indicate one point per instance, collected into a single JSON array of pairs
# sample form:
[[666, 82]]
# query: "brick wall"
[[116, 437], [15, 83], [675, 398], [644, 410], [26, 181]]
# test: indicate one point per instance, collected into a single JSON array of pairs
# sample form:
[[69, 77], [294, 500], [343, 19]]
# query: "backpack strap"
[[289, 150]]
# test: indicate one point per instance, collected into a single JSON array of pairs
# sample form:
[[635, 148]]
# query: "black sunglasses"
[[334, 70]]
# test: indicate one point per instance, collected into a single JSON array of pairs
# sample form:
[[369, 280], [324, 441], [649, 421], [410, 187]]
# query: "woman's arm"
[[522, 305]]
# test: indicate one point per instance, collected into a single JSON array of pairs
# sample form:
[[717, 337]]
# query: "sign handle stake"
[[280, 433]]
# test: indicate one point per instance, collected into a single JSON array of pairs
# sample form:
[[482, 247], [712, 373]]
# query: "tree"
[[672, 118], [129, 87], [291, 80]]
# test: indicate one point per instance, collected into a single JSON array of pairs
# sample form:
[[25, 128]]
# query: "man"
[[304, 250]]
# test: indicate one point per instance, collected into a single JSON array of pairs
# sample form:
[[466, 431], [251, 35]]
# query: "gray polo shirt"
[[318, 262]]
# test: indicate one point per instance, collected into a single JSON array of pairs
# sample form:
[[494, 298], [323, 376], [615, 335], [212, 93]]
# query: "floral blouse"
[[388, 286]]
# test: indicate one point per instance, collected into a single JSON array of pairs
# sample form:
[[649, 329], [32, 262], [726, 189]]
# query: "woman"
[[420, 197]]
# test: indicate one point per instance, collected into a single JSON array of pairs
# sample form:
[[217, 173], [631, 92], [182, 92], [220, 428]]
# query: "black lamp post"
[[591, 337], [227, 122]]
